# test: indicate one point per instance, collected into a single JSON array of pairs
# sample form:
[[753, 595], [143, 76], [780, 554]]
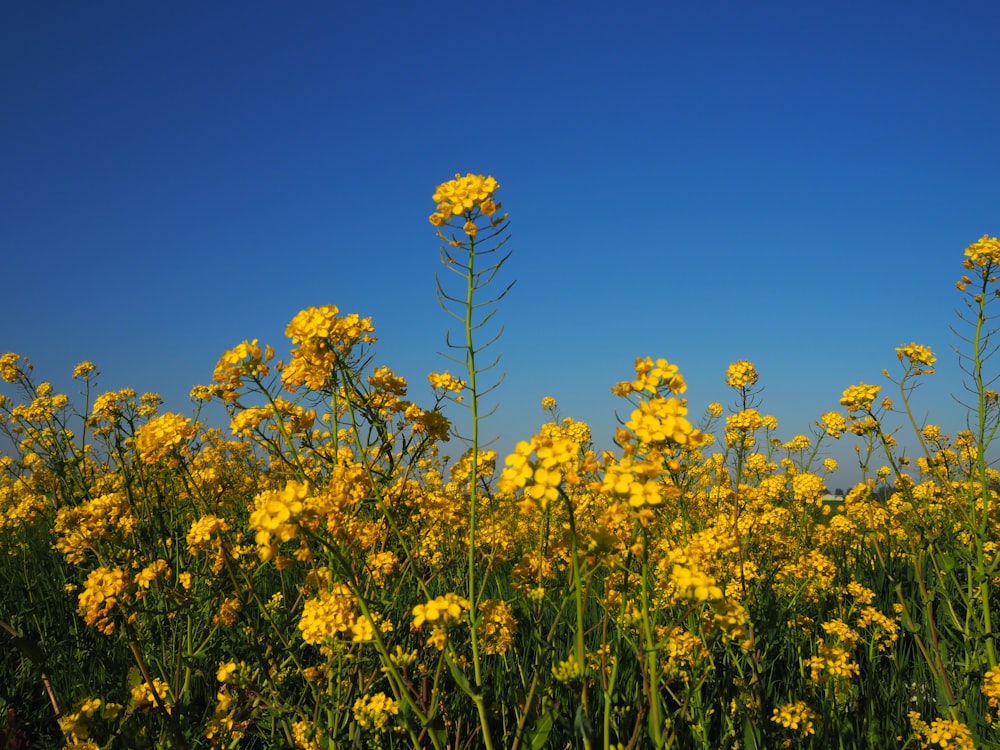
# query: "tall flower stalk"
[[473, 230]]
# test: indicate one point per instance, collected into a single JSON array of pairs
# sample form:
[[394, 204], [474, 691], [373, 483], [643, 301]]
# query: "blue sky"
[[790, 183]]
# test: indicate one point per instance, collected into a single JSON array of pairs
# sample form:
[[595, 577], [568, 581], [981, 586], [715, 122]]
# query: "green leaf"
[[540, 734], [749, 735]]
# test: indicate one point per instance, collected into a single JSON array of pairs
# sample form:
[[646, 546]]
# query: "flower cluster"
[[916, 354], [555, 461], [741, 374], [444, 609], [984, 252], [796, 716], [333, 612], [322, 338], [103, 590], [148, 696], [373, 713], [162, 437], [461, 197], [859, 397], [497, 626], [274, 515], [942, 733]]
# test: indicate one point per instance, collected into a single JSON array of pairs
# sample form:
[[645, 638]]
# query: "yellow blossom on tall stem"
[[467, 204]]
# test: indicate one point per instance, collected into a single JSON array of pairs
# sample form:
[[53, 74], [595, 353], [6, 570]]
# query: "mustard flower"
[[916, 354], [322, 337], [445, 381], [146, 697], [328, 614], [462, 195], [944, 733], [694, 584], [76, 725], [741, 374], [83, 370], [381, 565], [796, 716], [568, 670], [650, 375], [110, 407], [78, 529], [10, 370], [20, 507], [103, 590], [226, 671], [832, 662], [991, 686], [148, 575], [984, 252], [373, 713], [886, 629], [808, 488], [200, 535], [164, 436], [497, 626], [731, 618], [664, 419], [544, 487], [447, 608], [796, 444], [859, 397], [275, 514]]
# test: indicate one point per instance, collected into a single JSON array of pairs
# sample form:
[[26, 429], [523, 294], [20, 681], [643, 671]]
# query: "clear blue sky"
[[790, 183]]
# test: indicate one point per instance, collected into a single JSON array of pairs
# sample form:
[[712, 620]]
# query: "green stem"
[[470, 362]]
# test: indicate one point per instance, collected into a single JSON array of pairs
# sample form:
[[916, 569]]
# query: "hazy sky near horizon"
[[788, 183]]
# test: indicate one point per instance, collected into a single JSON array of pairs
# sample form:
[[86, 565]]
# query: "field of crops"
[[318, 577]]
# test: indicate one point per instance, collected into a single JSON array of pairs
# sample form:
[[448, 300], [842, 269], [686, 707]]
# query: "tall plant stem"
[[470, 363]]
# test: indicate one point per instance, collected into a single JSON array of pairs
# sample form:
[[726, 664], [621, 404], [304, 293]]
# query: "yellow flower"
[[808, 488], [447, 608], [917, 354], [163, 436], [200, 535], [568, 669], [797, 443], [83, 370], [445, 381], [373, 712], [463, 194], [329, 614], [984, 251], [991, 686], [147, 697], [497, 626], [859, 397], [226, 671], [275, 514], [103, 590], [9, 369], [693, 584], [796, 716], [741, 374], [664, 419]]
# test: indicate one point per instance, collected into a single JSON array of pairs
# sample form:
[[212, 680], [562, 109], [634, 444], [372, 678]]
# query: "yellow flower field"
[[318, 576]]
